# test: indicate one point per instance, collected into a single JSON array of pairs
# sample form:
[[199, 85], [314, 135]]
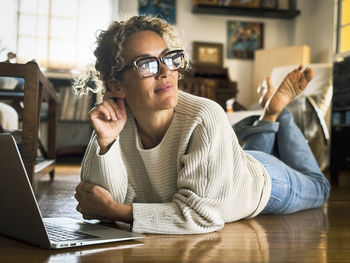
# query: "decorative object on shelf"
[[206, 2], [269, 4], [243, 38], [283, 4], [244, 3], [165, 9], [233, 3], [208, 54]]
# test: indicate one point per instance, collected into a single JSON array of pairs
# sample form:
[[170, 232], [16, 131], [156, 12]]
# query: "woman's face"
[[155, 93]]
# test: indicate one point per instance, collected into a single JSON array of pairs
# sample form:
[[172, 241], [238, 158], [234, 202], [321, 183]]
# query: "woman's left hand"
[[95, 202]]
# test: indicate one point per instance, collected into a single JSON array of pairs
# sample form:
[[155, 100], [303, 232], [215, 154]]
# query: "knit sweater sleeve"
[[203, 184], [106, 170]]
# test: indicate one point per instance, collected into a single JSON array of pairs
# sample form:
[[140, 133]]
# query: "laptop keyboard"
[[59, 233]]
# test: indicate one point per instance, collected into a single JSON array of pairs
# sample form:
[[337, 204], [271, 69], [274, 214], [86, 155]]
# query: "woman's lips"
[[164, 88]]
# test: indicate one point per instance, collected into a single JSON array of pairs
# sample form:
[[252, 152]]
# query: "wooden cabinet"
[[340, 136], [209, 82], [340, 152]]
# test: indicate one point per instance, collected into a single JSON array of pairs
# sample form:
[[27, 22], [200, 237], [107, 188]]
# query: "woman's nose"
[[164, 71]]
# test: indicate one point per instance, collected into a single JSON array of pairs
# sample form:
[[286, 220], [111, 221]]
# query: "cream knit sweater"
[[194, 181]]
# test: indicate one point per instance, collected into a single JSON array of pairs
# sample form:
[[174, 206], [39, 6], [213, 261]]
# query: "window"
[[58, 34], [343, 43]]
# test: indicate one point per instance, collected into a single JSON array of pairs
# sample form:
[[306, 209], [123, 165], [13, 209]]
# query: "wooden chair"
[[36, 90]]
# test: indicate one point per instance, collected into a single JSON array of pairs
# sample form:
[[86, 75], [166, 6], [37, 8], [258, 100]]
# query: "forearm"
[[96, 202], [106, 170], [105, 144], [121, 212]]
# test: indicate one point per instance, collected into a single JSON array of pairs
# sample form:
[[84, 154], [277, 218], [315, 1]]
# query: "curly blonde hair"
[[110, 45]]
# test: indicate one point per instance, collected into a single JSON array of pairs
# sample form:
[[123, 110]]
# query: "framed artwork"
[[165, 9], [243, 38], [208, 54]]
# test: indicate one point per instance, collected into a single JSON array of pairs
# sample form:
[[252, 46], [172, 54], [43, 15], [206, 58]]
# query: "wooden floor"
[[318, 235]]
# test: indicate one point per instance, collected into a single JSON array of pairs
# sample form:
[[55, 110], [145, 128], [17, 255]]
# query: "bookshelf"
[[74, 128]]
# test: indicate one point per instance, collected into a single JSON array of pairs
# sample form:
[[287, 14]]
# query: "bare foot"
[[293, 84], [265, 91]]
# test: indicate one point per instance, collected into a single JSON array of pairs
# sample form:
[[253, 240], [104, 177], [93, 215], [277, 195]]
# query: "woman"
[[169, 162]]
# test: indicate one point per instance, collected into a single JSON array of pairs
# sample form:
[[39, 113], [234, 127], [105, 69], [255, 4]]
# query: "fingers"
[[79, 209], [110, 109], [116, 102], [118, 107], [87, 215], [107, 110], [83, 186]]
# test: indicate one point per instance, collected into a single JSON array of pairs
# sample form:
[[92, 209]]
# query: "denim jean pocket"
[[272, 205]]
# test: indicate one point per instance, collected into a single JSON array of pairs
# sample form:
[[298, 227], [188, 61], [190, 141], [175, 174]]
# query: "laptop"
[[21, 218]]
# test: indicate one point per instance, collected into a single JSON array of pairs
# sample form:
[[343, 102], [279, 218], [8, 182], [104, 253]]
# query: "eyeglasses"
[[150, 66]]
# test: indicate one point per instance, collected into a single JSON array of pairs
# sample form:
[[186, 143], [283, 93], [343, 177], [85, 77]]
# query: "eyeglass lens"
[[148, 67]]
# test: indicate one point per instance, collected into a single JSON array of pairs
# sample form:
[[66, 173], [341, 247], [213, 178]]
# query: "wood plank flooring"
[[317, 235]]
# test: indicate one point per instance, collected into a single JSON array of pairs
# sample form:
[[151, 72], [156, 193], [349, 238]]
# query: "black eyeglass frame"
[[159, 60]]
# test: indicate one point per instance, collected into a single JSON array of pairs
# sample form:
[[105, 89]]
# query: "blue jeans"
[[297, 181]]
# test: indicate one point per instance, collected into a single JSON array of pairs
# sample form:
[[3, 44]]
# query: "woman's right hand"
[[108, 120]]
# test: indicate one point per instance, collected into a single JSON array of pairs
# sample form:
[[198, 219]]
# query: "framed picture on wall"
[[165, 9], [208, 54], [243, 38]]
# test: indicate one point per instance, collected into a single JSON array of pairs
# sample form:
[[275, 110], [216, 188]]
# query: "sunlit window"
[[58, 34], [344, 26]]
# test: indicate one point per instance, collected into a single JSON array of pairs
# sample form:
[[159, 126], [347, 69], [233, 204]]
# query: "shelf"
[[12, 95], [40, 166], [239, 11], [37, 90], [343, 108], [338, 126]]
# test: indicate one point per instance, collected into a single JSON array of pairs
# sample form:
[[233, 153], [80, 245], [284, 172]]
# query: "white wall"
[[312, 27], [315, 27]]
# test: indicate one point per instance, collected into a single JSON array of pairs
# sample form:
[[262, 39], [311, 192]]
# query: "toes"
[[308, 73], [265, 90], [269, 85], [259, 90], [268, 81]]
